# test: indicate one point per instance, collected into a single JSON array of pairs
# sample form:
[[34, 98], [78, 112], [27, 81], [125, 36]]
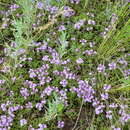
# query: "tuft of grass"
[[116, 38]]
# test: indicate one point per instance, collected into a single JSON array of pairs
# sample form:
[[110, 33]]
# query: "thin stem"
[[78, 115]]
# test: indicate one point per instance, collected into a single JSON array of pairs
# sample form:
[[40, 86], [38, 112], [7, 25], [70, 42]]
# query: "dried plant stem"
[[52, 22], [78, 115]]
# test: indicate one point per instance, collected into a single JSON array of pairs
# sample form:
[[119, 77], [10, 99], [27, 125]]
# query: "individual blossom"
[[61, 28], [53, 9], [14, 7], [79, 24], [74, 1], [83, 41], [109, 114], [90, 52], [92, 22], [29, 105], [122, 61], [60, 124], [107, 87], [112, 66], [101, 68], [126, 72], [40, 5], [32, 74], [24, 92], [40, 105], [2, 82], [23, 122], [115, 128], [68, 12], [42, 126], [79, 61], [99, 109], [104, 96], [113, 105], [114, 18], [64, 82], [3, 107]]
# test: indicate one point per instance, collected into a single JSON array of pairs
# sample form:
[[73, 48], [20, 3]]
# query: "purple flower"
[[39, 106], [64, 83], [92, 22], [29, 105], [114, 128], [23, 122], [79, 61], [74, 1], [61, 124], [99, 109], [40, 5], [113, 105], [109, 114], [3, 107], [112, 66], [5, 121], [53, 9], [24, 92], [2, 82], [83, 41], [42, 126], [104, 96], [101, 68], [1, 60], [32, 74], [107, 87], [20, 51], [126, 72], [90, 52], [14, 7], [122, 61], [79, 24], [84, 90], [45, 58], [61, 28], [68, 12]]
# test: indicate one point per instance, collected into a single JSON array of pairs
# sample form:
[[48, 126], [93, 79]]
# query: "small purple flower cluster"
[[61, 124], [2, 82], [68, 11], [79, 61], [40, 105], [40, 5], [90, 52], [14, 7], [23, 122], [91, 22], [79, 24], [5, 121], [84, 90]]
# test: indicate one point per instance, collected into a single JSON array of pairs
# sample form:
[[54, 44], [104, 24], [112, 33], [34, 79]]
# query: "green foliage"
[[116, 38], [63, 43], [55, 108]]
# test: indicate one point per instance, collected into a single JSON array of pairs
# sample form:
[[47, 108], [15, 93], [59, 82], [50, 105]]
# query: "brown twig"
[[53, 21]]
